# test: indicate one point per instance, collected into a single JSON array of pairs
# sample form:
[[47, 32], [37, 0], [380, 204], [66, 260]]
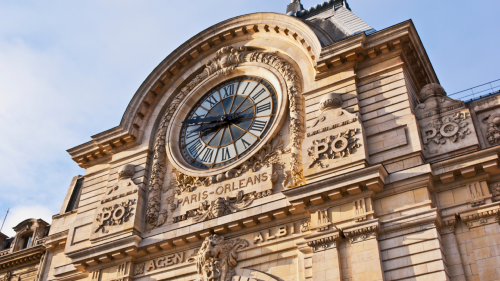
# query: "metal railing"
[[477, 92]]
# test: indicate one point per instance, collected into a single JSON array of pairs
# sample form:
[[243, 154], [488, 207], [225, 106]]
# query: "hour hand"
[[205, 127]]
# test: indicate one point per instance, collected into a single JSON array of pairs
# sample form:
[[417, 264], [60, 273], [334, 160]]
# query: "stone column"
[[365, 253], [321, 257]]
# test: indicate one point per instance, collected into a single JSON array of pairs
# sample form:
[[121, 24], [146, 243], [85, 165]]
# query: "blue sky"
[[69, 68]]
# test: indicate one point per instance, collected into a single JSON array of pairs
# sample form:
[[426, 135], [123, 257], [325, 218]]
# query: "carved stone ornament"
[[323, 243], [217, 258], [495, 189], [139, 268], [481, 217], [361, 234], [448, 225], [115, 215], [339, 146], [304, 226], [220, 207], [493, 131], [451, 128], [225, 61], [6, 277]]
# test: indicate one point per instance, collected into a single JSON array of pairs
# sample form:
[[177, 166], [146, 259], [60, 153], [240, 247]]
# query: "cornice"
[[361, 47], [29, 255], [362, 176]]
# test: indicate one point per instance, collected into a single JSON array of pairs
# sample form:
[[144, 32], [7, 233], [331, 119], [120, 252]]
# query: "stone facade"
[[366, 171], [23, 256]]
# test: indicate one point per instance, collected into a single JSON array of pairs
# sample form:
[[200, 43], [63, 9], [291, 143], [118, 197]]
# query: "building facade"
[[298, 146], [23, 256]]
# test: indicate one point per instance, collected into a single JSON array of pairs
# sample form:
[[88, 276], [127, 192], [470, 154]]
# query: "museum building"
[[297, 146]]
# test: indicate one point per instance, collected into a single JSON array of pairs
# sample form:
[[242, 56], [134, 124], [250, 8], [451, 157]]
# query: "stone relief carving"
[[324, 243], [361, 234], [6, 277], [115, 215], [446, 129], [482, 217], [449, 225], [339, 146], [139, 268], [217, 258], [221, 206], [304, 226], [493, 131], [224, 62], [495, 189]]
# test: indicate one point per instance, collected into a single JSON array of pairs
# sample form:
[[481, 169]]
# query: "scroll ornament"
[[217, 258], [225, 61]]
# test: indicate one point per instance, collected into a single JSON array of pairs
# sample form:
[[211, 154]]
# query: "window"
[[73, 200], [27, 240]]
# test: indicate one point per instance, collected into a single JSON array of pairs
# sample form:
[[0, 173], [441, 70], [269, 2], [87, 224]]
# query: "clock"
[[227, 122]]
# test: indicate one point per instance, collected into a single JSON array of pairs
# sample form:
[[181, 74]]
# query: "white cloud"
[[20, 213]]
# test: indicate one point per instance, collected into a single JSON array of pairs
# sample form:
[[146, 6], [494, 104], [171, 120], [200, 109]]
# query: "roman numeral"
[[195, 147], [258, 125], [258, 94], [207, 157], [263, 107], [212, 101], [228, 90], [245, 143], [225, 154], [245, 88]]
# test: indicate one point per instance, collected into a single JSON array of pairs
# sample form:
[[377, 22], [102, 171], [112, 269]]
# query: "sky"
[[68, 70]]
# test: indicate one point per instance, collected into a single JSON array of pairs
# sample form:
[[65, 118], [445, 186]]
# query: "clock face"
[[227, 122]]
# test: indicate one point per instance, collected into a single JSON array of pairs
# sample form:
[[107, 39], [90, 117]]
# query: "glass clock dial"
[[228, 122]]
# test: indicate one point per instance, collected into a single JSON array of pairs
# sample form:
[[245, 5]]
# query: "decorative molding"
[[362, 234], [331, 127], [481, 217], [458, 104], [325, 243], [119, 196], [225, 60], [217, 258], [114, 215]]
